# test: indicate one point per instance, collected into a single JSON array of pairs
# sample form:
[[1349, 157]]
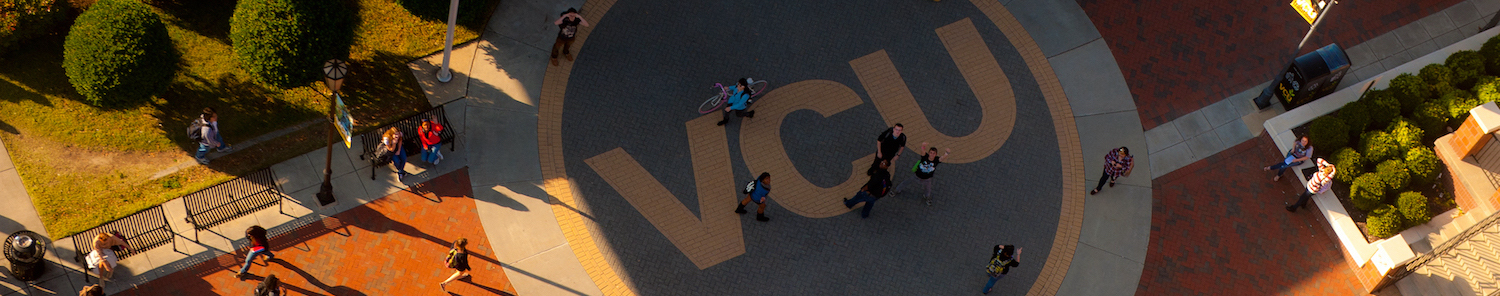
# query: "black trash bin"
[[1312, 76], [26, 252]]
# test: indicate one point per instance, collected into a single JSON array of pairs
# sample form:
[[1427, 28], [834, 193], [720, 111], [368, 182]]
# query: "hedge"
[[1349, 164], [1382, 105], [1384, 221], [1405, 134], [1356, 116], [1459, 103], [1424, 166], [1410, 90], [1488, 91], [1467, 66], [1394, 174], [25, 19], [1437, 76], [1328, 132], [1432, 118], [1413, 207], [283, 43], [118, 53], [1491, 53], [1367, 192], [1377, 146]]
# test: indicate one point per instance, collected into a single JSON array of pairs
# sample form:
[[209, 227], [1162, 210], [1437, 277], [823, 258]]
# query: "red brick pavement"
[[1182, 55], [1218, 228], [391, 246]]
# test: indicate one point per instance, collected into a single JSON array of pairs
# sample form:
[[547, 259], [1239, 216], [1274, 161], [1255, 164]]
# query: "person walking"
[[91, 290], [888, 145], [923, 171], [207, 126], [1299, 153], [1318, 183], [103, 259], [1117, 163], [270, 287], [1001, 260], [458, 260], [259, 245], [739, 101], [879, 184], [428, 132], [756, 191], [391, 143], [567, 26]]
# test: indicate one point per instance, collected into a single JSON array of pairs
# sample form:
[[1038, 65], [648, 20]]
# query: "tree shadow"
[[246, 109], [36, 71], [381, 89], [209, 18], [472, 14]]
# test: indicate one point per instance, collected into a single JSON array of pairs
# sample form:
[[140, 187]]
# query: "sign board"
[[1309, 9], [342, 120]]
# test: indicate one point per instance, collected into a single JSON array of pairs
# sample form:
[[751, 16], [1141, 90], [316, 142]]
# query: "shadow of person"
[[332, 290], [492, 291]]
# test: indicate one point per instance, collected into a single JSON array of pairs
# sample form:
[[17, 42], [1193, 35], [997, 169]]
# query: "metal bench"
[[143, 231], [238, 197], [410, 143]]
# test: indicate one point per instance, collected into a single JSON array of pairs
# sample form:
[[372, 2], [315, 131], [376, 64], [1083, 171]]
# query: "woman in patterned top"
[[1318, 183], [1117, 163]]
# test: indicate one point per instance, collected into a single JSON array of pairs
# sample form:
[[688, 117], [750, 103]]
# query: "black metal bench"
[[143, 231], [238, 197], [410, 143]]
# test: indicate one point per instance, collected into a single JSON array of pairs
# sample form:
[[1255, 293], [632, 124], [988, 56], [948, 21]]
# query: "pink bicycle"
[[717, 102]]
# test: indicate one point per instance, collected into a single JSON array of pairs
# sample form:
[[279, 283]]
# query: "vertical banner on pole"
[[342, 120], [1308, 9]]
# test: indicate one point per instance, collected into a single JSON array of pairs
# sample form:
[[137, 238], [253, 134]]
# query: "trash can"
[[1312, 76], [26, 252]]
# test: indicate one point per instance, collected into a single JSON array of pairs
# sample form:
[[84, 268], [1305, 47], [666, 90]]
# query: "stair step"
[[1463, 222]]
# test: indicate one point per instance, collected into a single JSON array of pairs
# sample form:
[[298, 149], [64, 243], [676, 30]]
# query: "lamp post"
[[445, 74], [333, 77], [1264, 99]]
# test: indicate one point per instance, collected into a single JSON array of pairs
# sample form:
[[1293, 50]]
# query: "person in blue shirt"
[[739, 101], [758, 195]]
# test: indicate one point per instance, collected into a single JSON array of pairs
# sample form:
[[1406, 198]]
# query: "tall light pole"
[[446, 74], [1264, 100], [333, 77]]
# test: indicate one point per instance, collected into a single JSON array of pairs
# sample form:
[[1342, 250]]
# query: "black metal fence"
[[408, 127], [238, 197]]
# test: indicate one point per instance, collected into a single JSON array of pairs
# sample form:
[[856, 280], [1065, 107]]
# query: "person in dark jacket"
[[259, 245], [1001, 260], [879, 184], [458, 260], [270, 287]]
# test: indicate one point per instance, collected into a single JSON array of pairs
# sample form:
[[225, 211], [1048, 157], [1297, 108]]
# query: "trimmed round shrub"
[[1349, 164], [1384, 221], [1377, 146], [1459, 103], [1410, 90], [283, 43], [24, 19], [1383, 106], [118, 53], [1437, 75], [1423, 164], [1491, 53], [1367, 192], [1394, 174], [1467, 66], [1413, 207], [1488, 91], [1405, 134], [469, 11], [1356, 116], [1328, 132], [1432, 118]]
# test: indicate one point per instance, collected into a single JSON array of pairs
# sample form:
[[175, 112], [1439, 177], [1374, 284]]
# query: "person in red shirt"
[[431, 141], [259, 245]]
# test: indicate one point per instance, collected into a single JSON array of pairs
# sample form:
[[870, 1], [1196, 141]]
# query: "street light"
[[333, 77], [1264, 99], [445, 74]]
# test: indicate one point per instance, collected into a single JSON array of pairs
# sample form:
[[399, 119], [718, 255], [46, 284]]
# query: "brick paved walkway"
[[1179, 56], [391, 246], [1218, 225]]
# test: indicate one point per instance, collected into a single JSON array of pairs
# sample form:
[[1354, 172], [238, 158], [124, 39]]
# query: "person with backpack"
[[879, 184], [205, 132], [259, 245], [391, 146], [567, 26], [1002, 259], [431, 140], [458, 260], [756, 191], [923, 171], [888, 145], [270, 287]]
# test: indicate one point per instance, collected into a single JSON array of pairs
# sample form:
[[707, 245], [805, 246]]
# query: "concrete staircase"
[[1470, 268]]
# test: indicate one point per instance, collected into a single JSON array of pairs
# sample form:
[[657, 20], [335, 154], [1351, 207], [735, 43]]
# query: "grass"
[[84, 166]]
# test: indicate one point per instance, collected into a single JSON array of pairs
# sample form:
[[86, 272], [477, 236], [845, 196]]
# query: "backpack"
[[452, 259], [195, 131], [998, 266], [749, 187]]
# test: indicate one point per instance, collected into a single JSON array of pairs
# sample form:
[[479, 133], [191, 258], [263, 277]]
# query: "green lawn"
[[84, 166]]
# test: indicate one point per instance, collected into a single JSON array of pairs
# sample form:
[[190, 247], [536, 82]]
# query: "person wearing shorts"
[[758, 195]]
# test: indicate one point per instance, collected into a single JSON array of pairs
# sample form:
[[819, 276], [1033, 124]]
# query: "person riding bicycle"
[[739, 101]]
